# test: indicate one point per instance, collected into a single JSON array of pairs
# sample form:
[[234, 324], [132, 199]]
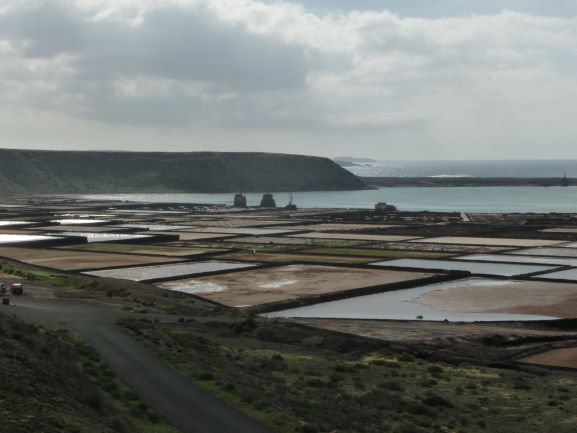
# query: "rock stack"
[[267, 201], [239, 201]]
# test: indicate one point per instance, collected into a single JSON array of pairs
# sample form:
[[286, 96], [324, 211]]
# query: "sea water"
[[442, 199]]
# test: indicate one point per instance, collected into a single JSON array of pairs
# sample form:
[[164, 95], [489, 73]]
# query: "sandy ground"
[[264, 286], [353, 236], [80, 228], [296, 241], [235, 222], [256, 231], [420, 331], [31, 289], [489, 241], [517, 297], [566, 357], [9, 231], [342, 227], [547, 251], [283, 258], [561, 230], [155, 250], [441, 248], [77, 260]]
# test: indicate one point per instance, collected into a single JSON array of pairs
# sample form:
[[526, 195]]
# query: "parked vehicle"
[[17, 289]]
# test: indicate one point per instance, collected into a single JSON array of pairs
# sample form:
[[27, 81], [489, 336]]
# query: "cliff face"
[[40, 172]]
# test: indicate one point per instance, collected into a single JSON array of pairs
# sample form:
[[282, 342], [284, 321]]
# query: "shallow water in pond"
[[10, 238], [143, 273], [501, 269], [401, 305], [561, 261], [5, 223], [101, 237]]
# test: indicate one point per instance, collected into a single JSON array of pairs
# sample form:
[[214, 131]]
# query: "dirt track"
[[188, 407]]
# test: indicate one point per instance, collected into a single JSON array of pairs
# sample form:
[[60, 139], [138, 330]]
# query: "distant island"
[[74, 172], [351, 161]]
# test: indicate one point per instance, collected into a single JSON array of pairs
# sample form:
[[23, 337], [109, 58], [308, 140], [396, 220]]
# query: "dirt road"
[[186, 406]]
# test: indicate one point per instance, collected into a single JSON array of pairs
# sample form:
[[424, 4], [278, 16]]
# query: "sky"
[[385, 79]]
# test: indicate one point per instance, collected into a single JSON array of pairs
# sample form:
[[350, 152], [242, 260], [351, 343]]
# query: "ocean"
[[465, 199], [511, 168], [460, 199]]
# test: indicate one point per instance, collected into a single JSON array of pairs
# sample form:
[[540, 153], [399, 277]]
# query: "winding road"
[[184, 404]]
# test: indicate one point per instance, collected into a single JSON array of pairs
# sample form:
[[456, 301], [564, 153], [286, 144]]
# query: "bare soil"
[[489, 241], [282, 283], [427, 331], [287, 258], [566, 357], [77, 260], [353, 236], [520, 297]]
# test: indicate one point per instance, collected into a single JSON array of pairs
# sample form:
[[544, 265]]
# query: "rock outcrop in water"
[[64, 172], [267, 200]]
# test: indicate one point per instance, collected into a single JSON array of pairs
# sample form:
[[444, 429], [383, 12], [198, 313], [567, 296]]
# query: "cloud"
[[456, 82]]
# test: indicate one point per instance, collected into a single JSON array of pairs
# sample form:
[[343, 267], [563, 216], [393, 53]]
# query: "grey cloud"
[[182, 44], [275, 71]]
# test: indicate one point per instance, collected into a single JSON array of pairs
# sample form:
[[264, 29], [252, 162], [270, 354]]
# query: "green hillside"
[[33, 171], [52, 383]]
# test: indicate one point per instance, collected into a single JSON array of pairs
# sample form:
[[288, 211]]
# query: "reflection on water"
[[401, 305]]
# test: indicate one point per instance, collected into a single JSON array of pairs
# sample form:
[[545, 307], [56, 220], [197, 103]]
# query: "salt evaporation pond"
[[159, 272], [101, 237], [569, 275], [192, 287], [78, 221], [16, 239], [243, 231], [560, 261], [15, 223], [153, 227], [501, 269], [547, 251], [402, 305]]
